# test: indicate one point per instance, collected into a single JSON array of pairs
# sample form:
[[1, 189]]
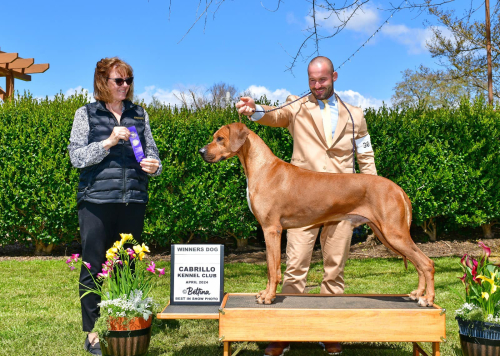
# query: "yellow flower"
[[110, 254], [118, 244], [141, 255], [145, 248], [137, 248], [493, 288], [126, 237], [491, 281], [485, 295]]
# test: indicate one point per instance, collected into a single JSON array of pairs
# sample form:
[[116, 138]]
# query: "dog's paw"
[[423, 302], [269, 300], [416, 294]]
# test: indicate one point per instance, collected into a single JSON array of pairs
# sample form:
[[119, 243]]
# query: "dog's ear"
[[238, 134]]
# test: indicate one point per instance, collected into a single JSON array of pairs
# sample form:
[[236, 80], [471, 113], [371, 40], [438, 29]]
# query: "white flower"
[[134, 304]]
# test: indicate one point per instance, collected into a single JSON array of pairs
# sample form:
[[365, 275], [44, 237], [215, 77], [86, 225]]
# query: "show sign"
[[197, 274]]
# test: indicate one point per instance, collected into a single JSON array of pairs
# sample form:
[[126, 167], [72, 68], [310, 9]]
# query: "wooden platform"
[[316, 317]]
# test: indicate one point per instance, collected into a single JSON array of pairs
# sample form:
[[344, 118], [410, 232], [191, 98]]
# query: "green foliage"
[[37, 181], [446, 160], [427, 88]]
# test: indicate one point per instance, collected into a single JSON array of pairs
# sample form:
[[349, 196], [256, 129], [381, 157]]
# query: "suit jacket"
[[310, 150]]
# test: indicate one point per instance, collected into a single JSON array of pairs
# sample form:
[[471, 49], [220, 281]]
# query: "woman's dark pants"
[[100, 227]]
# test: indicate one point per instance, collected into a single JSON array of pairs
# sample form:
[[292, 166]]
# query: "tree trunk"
[[488, 52], [430, 229], [487, 231], [42, 249], [241, 244], [371, 240]]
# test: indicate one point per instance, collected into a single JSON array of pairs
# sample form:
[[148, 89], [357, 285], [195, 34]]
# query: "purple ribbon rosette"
[[136, 144]]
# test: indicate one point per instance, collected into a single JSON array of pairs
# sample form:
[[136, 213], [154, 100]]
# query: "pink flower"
[[75, 256], [104, 274], [119, 262], [71, 267], [474, 272], [87, 264], [161, 271], [151, 267], [465, 261], [463, 278], [486, 249], [131, 253], [69, 260]]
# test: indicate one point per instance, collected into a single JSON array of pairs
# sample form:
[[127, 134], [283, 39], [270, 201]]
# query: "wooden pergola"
[[14, 67]]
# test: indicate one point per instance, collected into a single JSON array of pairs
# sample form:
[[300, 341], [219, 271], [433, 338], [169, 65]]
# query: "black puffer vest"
[[118, 178]]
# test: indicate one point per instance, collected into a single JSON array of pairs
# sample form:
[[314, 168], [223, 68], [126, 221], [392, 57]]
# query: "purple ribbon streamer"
[[136, 144]]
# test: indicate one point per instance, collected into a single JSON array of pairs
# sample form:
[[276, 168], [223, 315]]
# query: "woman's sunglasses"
[[120, 81]]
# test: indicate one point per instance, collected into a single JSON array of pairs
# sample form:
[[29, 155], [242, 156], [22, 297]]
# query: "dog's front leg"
[[272, 236]]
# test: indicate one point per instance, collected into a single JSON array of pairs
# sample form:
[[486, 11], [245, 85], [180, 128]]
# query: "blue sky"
[[244, 45]]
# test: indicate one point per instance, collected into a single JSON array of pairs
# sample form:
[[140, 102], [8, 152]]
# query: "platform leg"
[[227, 348], [418, 350], [415, 349], [435, 349]]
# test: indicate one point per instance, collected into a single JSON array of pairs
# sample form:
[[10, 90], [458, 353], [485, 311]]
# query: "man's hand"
[[246, 106]]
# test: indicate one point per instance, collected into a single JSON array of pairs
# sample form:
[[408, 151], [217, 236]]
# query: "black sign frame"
[[172, 278]]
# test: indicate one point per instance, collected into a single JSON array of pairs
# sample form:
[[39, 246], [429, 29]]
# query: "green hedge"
[[446, 160]]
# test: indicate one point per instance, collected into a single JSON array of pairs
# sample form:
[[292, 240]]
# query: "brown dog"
[[282, 196]]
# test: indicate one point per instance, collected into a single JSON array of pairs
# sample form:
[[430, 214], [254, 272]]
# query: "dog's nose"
[[202, 151]]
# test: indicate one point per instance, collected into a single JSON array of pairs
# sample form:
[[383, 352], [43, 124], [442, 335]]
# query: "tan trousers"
[[335, 243]]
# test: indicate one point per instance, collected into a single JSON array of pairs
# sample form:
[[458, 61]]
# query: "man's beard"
[[327, 93]]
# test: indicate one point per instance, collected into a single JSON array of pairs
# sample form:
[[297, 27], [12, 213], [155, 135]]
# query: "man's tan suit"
[[310, 151]]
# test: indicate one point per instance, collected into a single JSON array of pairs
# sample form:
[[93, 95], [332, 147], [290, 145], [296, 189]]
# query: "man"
[[322, 129]]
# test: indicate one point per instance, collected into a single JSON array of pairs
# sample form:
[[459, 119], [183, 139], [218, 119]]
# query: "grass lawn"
[[40, 309]]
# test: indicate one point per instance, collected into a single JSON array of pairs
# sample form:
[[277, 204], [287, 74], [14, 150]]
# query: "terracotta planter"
[[130, 339], [479, 338]]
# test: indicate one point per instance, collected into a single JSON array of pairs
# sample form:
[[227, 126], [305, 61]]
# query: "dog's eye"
[[220, 138]]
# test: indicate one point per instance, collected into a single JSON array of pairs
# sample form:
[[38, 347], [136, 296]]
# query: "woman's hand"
[[119, 133], [150, 165]]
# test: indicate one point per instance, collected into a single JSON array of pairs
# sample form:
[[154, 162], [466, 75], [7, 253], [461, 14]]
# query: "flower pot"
[[127, 339], [479, 338]]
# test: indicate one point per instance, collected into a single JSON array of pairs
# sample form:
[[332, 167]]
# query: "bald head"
[[321, 61], [321, 77]]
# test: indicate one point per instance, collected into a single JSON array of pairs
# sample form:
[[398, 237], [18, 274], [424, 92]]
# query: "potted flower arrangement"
[[126, 309], [479, 316]]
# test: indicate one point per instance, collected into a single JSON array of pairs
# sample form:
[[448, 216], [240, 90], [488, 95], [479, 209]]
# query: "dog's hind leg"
[[272, 236], [401, 243]]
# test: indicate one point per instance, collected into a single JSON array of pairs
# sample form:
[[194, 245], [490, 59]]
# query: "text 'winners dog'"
[[283, 196]]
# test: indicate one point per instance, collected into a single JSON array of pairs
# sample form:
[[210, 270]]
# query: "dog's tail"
[[408, 217]]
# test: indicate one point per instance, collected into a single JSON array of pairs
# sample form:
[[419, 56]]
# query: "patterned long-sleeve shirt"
[[82, 154]]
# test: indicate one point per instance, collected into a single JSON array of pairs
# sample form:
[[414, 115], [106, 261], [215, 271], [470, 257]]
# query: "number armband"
[[364, 144]]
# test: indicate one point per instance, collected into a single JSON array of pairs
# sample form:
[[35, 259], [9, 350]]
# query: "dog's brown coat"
[[283, 196]]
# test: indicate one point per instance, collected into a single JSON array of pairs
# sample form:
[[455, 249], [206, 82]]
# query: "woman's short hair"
[[102, 69]]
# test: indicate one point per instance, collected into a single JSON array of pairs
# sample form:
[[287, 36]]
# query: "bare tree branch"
[[338, 16], [196, 21], [277, 8]]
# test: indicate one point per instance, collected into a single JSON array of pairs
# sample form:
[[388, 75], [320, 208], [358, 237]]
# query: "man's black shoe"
[[94, 350]]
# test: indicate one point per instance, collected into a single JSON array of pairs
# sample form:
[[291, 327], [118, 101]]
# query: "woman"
[[113, 189]]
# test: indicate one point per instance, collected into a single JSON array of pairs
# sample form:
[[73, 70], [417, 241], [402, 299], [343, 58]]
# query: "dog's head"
[[227, 141]]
